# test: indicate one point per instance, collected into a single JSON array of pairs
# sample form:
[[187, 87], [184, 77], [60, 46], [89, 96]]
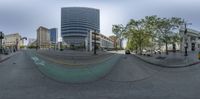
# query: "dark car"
[[127, 52]]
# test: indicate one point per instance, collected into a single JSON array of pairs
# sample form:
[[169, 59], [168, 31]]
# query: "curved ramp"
[[74, 74]]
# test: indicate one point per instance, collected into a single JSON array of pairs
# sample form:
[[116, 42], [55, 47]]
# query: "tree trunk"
[[174, 47], [120, 44], [152, 46], [115, 45], [136, 49], [166, 45], [140, 48]]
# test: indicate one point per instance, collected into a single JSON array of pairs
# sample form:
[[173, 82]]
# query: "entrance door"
[[193, 47]]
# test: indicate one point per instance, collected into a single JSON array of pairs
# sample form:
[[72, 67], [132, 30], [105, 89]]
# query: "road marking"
[[35, 58], [37, 61]]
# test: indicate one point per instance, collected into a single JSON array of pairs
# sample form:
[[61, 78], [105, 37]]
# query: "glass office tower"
[[77, 22], [53, 35]]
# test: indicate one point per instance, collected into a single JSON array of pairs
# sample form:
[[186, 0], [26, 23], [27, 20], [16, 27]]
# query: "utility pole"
[[186, 44]]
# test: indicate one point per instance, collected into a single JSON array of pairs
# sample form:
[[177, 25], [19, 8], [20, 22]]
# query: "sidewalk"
[[5, 57], [173, 60]]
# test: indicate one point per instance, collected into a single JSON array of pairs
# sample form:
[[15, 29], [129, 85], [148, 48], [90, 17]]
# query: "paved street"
[[73, 57], [130, 78]]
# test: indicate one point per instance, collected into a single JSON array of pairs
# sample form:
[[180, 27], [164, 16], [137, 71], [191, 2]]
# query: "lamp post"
[[95, 38], [185, 35], [1, 43]]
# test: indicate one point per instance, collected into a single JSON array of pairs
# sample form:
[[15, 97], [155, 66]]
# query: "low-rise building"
[[191, 40], [102, 42], [13, 41]]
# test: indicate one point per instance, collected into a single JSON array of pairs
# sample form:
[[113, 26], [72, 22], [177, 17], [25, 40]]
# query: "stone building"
[[43, 37], [191, 40], [13, 41]]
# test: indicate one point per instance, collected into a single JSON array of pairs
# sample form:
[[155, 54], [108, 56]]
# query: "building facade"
[[53, 32], [191, 40], [43, 37], [102, 42], [76, 24], [13, 41], [106, 43]]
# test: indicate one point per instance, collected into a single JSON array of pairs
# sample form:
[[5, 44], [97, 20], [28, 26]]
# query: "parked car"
[[148, 53], [127, 52]]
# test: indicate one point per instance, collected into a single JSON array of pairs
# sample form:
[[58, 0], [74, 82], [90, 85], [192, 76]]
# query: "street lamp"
[[185, 35], [95, 38], [1, 43]]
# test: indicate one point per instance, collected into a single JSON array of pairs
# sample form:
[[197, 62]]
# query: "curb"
[[167, 66], [8, 57], [4, 59]]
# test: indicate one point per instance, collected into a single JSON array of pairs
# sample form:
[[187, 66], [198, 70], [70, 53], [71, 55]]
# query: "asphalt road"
[[130, 79]]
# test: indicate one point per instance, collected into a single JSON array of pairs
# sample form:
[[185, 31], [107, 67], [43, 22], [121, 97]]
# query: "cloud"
[[25, 16]]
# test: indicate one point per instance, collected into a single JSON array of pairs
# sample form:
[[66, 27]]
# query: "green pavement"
[[74, 74]]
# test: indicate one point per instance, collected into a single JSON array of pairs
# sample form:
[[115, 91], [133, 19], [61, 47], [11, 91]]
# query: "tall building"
[[43, 37], [13, 41], [53, 32], [77, 22]]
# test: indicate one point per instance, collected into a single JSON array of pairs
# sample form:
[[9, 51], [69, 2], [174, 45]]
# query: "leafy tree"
[[137, 34], [166, 28], [118, 30], [150, 27], [149, 32], [175, 39]]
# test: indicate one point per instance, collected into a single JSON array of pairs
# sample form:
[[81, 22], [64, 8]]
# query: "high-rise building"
[[53, 32], [77, 22], [43, 37]]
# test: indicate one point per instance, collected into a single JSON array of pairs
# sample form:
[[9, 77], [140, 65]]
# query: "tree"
[[175, 39], [149, 32], [137, 35], [166, 27], [150, 27], [118, 30]]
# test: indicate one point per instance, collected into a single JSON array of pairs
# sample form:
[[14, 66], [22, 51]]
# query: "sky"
[[25, 16]]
